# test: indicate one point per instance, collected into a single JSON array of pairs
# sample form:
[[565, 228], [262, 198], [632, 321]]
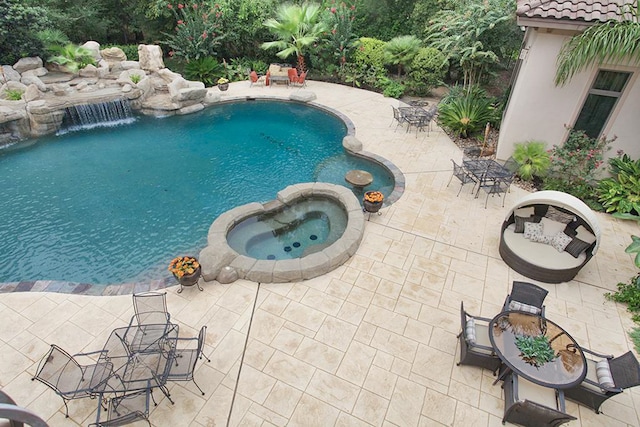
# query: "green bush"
[[369, 53], [206, 70], [131, 50], [391, 88], [532, 158], [621, 193], [467, 114], [628, 293], [72, 56], [428, 68]]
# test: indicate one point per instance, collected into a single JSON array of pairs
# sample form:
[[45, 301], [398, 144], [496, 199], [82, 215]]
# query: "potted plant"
[[223, 83], [186, 269], [372, 201], [535, 350]]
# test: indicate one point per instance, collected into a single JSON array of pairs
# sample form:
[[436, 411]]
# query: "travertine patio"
[[373, 342]]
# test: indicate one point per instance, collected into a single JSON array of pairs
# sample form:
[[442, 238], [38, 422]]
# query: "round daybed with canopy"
[[566, 237]]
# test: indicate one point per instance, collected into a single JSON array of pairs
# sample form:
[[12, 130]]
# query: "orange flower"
[[373, 196], [182, 265]]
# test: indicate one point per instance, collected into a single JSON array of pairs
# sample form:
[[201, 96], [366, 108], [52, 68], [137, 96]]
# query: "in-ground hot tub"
[[309, 230]]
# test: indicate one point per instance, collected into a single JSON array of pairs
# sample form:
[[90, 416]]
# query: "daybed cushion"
[[539, 254]]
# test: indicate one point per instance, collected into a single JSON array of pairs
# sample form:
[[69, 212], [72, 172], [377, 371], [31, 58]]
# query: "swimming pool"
[[116, 205]]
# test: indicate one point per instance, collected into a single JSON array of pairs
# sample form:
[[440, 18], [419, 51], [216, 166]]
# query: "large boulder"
[[25, 64], [88, 71], [94, 48], [38, 72], [30, 79], [32, 93], [125, 76], [150, 57], [113, 55], [9, 74]]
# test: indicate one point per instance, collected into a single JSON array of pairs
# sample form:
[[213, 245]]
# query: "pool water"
[[115, 205], [295, 231]]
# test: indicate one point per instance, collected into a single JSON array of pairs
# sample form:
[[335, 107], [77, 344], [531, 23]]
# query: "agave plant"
[[532, 158]]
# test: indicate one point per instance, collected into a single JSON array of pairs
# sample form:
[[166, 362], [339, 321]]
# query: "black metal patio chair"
[[462, 175], [398, 117], [183, 364], [69, 379], [526, 296], [125, 409], [529, 404], [151, 307], [496, 185], [600, 384], [475, 345]]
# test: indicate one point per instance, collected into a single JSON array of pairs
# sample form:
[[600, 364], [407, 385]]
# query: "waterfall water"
[[104, 114]]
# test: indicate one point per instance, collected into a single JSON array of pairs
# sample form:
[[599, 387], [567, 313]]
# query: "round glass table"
[[537, 349]]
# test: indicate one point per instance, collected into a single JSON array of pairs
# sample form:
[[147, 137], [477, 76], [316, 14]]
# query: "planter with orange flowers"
[[186, 270], [372, 201]]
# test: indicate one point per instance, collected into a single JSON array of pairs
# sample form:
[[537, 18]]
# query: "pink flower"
[[180, 22], [333, 10], [195, 6], [180, 6], [171, 53], [353, 7], [204, 35], [333, 31], [170, 6]]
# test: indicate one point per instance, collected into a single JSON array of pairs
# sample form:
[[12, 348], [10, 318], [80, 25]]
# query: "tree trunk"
[[301, 65]]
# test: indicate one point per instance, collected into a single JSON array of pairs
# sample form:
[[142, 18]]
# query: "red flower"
[[333, 10], [353, 7], [204, 35], [180, 22], [333, 31], [180, 6], [171, 53], [170, 6]]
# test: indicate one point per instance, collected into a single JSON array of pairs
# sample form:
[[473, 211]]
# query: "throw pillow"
[[576, 247], [531, 228], [560, 241], [603, 374], [524, 212], [520, 306], [470, 331], [558, 215], [520, 220], [585, 235], [541, 238]]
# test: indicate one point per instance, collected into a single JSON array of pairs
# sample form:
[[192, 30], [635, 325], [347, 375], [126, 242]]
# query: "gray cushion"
[[576, 247], [558, 215], [603, 373], [520, 220]]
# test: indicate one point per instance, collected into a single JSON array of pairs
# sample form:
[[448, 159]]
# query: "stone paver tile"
[[419, 331], [274, 304], [304, 316], [319, 355], [283, 399], [439, 407], [320, 301], [402, 368], [386, 319], [351, 313], [430, 266], [339, 288], [443, 340], [388, 272], [491, 404], [360, 297], [371, 408], [368, 282], [356, 363], [467, 415], [365, 333], [422, 294], [255, 385], [346, 420], [265, 326], [257, 354], [287, 340], [408, 307], [289, 370], [380, 382], [394, 344], [406, 403], [464, 393], [312, 412], [226, 354], [223, 320], [333, 390], [389, 289], [383, 360], [441, 319], [384, 302], [336, 333], [433, 364]]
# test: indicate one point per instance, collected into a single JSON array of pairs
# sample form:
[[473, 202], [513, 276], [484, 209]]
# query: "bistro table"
[[486, 169], [566, 370]]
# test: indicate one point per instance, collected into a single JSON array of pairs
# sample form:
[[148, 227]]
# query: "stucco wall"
[[540, 110]]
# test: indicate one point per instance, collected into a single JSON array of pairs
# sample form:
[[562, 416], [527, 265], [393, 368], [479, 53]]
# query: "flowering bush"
[[574, 166], [339, 19], [183, 265], [197, 31], [373, 196]]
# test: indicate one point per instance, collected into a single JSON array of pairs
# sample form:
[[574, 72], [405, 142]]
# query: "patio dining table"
[[568, 366], [486, 169]]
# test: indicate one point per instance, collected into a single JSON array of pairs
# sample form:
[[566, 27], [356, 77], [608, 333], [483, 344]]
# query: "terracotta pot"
[[190, 279], [372, 207]]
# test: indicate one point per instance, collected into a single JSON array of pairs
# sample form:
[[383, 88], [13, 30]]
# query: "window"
[[600, 102]]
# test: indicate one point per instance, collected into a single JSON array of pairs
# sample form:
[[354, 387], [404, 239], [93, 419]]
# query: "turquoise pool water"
[[115, 205]]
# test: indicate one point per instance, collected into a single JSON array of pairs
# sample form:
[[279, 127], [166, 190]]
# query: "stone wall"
[[47, 89]]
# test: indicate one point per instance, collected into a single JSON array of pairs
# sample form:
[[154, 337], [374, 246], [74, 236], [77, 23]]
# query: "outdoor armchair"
[[151, 307], [475, 346], [183, 364], [529, 404], [462, 175], [125, 409], [526, 296], [63, 374], [601, 384]]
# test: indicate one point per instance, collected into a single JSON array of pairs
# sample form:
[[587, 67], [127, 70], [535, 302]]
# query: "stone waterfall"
[[104, 114]]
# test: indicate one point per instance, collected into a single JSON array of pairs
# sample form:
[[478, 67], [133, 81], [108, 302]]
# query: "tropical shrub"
[[621, 193], [340, 39], [574, 166], [391, 88], [369, 54], [532, 158], [205, 70], [466, 113], [19, 23], [428, 68], [72, 56], [51, 37], [197, 31], [401, 50]]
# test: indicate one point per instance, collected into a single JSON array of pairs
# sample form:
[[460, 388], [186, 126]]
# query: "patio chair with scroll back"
[[475, 345], [183, 364], [606, 377], [69, 379], [526, 296], [530, 404]]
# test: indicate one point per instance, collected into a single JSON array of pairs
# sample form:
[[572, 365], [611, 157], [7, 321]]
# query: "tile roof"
[[573, 10]]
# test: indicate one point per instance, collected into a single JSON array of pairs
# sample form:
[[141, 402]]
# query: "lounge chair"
[[257, 80], [475, 345]]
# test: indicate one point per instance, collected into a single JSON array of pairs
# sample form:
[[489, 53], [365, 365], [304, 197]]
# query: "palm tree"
[[297, 27], [608, 42], [401, 50]]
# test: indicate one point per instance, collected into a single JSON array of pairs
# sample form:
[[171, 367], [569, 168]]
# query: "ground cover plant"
[[620, 194]]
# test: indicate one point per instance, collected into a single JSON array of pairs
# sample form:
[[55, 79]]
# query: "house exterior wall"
[[539, 110]]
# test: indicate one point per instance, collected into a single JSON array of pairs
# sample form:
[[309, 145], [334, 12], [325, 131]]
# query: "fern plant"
[[532, 158], [466, 115]]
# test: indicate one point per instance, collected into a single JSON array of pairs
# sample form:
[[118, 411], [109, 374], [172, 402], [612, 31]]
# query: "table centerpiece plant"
[[535, 350]]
